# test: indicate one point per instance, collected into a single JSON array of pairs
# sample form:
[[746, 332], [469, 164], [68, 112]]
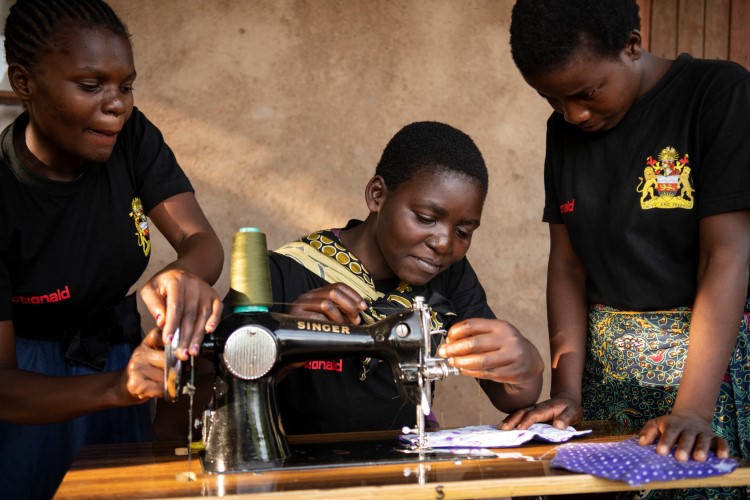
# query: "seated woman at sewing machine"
[[425, 202]]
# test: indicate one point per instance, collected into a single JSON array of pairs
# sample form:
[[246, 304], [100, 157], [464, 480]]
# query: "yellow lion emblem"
[[648, 186], [141, 225]]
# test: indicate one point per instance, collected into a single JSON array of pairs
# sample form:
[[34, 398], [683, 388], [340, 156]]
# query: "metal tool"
[[172, 369], [172, 384]]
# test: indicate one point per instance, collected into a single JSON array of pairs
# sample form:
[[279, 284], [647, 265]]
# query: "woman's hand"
[[491, 349], [143, 377], [178, 299], [495, 350], [561, 410], [688, 431], [334, 302]]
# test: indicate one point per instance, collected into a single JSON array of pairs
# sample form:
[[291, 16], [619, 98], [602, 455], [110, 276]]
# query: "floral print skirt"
[[634, 364]]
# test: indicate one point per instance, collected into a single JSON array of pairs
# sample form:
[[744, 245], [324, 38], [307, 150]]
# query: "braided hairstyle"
[[546, 34], [421, 145], [34, 27]]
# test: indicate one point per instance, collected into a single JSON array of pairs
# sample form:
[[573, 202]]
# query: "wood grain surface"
[[153, 470]]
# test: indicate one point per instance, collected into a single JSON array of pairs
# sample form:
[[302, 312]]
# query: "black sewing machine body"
[[241, 428]]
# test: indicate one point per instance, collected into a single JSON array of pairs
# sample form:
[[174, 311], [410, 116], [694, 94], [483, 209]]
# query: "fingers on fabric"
[[561, 412], [513, 421], [686, 440], [649, 433], [689, 443], [571, 413], [721, 446]]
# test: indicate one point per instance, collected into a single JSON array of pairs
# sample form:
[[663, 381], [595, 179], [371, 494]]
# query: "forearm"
[[31, 398], [567, 318], [715, 322], [516, 388], [567, 354], [182, 222], [200, 254], [508, 397]]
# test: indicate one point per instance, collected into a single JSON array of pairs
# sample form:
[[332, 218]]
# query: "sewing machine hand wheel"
[[172, 369]]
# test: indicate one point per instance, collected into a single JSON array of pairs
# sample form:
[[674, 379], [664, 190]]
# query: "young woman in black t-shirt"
[[648, 202], [424, 204], [81, 170]]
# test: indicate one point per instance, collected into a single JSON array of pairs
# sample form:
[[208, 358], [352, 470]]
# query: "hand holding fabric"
[[686, 430], [562, 410]]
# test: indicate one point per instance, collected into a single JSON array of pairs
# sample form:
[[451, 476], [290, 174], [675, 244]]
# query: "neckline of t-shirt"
[[21, 156], [669, 77]]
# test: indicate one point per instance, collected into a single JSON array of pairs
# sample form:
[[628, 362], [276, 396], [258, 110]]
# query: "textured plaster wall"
[[279, 110]]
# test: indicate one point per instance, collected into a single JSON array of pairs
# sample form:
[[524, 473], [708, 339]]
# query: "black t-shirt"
[[71, 250], [329, 397], [631, 197]]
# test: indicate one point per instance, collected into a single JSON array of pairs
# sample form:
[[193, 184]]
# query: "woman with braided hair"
[[81, 169]]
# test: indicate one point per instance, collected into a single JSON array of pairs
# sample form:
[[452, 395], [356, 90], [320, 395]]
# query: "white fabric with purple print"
[[626, 461], [489, 436]]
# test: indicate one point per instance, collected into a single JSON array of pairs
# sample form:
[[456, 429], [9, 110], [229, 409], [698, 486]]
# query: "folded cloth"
[[636, 465], [489, 436]]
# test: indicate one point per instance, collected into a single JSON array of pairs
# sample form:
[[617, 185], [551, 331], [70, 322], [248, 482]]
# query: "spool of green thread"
[[250, 277]]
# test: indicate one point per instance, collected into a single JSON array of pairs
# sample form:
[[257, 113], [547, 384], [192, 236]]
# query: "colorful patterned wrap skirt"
[[634, 363]]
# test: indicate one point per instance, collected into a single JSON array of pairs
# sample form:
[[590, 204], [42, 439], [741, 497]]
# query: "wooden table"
[[153, 470]]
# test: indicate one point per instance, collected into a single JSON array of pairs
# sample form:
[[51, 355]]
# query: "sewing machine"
[[241, 427]]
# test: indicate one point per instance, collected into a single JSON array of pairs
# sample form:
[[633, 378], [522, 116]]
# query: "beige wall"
[[279, 110]]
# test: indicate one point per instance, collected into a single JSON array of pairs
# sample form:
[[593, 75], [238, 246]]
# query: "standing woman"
[[647, 180], [81, 169]]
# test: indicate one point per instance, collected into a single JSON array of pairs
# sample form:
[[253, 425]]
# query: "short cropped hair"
[[545, 34], [33, 27], [429, 144]]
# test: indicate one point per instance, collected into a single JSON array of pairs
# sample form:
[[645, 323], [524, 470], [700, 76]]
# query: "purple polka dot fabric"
[[636, 465]]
